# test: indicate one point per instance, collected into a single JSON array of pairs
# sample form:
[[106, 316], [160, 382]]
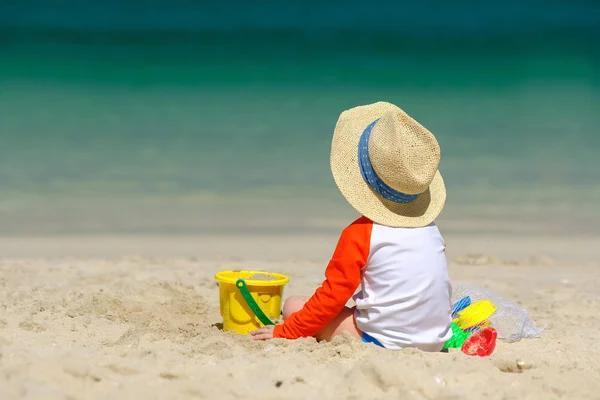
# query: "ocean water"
[[131, 116]]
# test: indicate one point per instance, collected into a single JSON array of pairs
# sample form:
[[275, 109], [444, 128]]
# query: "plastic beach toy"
[[511, 321], [460, 305], [471, 330], [482, 343], [458, 337], [477, 326], [249, 299], [475, 315]]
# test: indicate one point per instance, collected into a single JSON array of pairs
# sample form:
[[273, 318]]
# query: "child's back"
[[405, 289]]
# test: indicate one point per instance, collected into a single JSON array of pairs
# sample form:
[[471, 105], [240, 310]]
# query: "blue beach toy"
[[461, 305]]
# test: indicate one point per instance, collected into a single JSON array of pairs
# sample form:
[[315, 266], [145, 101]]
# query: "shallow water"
[[103, 107]]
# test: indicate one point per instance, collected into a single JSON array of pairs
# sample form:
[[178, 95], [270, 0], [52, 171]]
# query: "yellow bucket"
[[266, 289]]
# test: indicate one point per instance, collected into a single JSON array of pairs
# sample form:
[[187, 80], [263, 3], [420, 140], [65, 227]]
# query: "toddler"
[[386, 166]]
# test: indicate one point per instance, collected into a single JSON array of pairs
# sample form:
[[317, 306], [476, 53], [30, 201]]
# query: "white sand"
[[96, 326]]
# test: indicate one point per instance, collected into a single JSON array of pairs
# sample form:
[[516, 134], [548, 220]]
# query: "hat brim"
[[349, 180]]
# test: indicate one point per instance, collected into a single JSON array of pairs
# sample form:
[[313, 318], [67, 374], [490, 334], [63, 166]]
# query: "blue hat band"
[[371, 177]]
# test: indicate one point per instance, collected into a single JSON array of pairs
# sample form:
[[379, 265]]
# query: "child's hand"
[[264, 333]]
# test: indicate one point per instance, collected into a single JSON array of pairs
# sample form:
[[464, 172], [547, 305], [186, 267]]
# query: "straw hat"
[[386, 165]]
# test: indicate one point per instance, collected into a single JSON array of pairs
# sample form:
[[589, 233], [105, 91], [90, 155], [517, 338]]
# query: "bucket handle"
[[243, 288]]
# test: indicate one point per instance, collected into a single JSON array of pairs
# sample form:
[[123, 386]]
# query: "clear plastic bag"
[[510, 321]]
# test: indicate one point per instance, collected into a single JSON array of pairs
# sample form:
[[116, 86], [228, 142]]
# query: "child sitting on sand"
[[386, 166]]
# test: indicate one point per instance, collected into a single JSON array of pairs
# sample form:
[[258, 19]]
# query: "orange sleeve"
[[342, 278]]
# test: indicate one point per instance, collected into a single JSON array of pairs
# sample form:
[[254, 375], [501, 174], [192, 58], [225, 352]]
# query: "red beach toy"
[[482, 343]]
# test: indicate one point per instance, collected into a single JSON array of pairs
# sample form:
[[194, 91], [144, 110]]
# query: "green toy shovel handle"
[[241, 285]]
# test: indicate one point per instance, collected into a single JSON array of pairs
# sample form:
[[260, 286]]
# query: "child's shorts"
[[370, 339]]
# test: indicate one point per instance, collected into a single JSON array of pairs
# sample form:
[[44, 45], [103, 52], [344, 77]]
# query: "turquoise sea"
[[184, 117]]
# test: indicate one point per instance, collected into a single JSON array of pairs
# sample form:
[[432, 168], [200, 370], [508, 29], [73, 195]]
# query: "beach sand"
[[137, 318]]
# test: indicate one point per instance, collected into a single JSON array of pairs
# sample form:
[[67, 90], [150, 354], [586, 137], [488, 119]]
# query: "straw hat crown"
[[386, 166], [403, 153]]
